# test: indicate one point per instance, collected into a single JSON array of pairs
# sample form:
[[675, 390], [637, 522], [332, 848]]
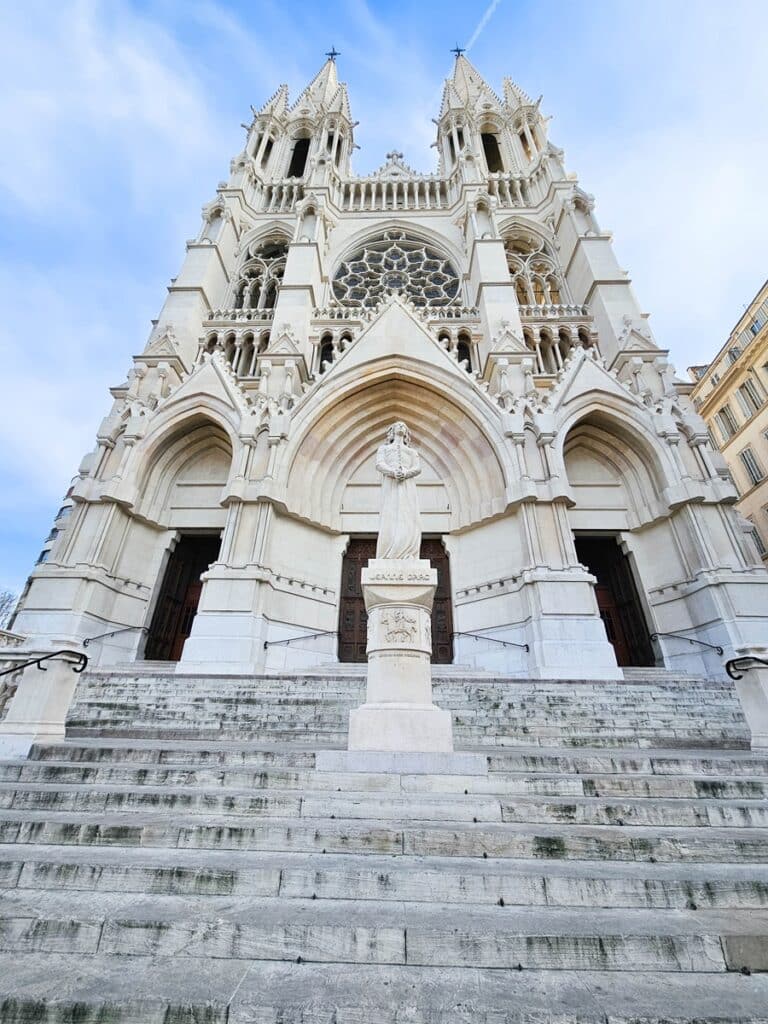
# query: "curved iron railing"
[[691, 640], [304, 636], [123, 629], [493, 640], [736, 667], [82, 662]]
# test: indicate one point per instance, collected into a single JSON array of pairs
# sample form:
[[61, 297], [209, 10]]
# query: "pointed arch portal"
[[332, 480]]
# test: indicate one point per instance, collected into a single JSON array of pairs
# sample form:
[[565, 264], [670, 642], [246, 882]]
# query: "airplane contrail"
[[482, 23]]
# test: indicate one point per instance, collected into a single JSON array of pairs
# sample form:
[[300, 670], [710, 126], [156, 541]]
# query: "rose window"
[[396, 263]]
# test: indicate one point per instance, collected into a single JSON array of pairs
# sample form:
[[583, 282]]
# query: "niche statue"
[[399, 523]]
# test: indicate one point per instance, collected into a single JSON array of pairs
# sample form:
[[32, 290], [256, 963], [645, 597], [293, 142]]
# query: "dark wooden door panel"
[[180, 595], [617, 599], [353, 620]]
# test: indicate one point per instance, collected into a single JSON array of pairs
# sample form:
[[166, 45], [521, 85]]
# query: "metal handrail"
[[304, 636], [734, 664], [504, 643], [691, 640], [82, 662], [123, 629]]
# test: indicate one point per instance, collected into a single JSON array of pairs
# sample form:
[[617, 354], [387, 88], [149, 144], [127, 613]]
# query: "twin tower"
[[571, 500]]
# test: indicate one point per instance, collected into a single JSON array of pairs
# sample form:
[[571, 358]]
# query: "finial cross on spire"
[[458, 50], [332, 54]]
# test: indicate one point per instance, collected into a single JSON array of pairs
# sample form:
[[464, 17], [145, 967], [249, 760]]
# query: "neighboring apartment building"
[[731, 394]]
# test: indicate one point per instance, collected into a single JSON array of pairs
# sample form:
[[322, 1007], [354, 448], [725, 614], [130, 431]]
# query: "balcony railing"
[[558, 311], [254, 316]]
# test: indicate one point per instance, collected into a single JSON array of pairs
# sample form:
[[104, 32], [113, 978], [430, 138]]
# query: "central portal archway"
[[353, 620]]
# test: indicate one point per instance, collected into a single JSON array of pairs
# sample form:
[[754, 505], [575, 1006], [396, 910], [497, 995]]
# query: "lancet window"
[[552, 346], [397, 263], [239, 350], [534, 272], [261, 275], [332, 343]]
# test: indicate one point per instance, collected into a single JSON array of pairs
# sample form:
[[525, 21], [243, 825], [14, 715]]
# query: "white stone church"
[[571, 499], [378, 675]]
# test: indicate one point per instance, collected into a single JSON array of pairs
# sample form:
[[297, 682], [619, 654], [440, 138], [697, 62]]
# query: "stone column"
[[398, 713], [751, 684]]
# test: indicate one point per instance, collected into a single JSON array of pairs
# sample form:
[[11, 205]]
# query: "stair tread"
[[260, 911], [270, 992]]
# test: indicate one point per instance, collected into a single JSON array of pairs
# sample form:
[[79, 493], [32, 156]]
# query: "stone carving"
[[400, 626], [400, 524], [7, 693], [8, 639]]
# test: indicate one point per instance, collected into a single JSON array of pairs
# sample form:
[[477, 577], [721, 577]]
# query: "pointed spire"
[[470, 85], [276, 105], [321, 90], [451, 99], [514, 96]]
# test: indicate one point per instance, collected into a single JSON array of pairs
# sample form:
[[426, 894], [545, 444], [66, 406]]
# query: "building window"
[[260, 276], [743, 404], [464, 352], [52, 535], [298, 159], [534, 272], [397, 263], [755, 471], [727, 422], [752, 395], [43, 556], [492, 152], [733, 354], [762, 550], [64, 512]]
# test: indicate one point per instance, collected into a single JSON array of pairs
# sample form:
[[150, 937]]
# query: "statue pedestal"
[[398, 714]]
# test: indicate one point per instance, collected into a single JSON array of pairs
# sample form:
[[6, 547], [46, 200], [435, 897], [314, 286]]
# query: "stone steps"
[[154, 991], [370, 877], [502, 783], [183, 861], [401, 806], [257, 928], [639, 711], [505, 840], [734, 763]]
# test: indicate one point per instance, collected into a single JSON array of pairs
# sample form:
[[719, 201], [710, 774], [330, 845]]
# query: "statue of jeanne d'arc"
[[399, 523]]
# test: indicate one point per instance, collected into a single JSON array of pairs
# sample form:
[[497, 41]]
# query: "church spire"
[[470, 86], [322, 90]]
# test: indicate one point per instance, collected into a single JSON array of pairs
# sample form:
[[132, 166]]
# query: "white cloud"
[[665, 125], [97, 86]]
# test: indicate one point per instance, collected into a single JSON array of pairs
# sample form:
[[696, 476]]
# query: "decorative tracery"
[[261, 275], [397, 262], [534, 272]]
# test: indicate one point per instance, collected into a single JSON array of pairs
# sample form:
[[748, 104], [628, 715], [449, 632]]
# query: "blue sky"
[[120, 117]]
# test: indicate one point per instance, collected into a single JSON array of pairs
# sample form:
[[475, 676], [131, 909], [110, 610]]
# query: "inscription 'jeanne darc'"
[[400, 524]]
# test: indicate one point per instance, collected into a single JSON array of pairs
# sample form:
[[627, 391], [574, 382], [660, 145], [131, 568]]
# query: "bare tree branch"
[[7, 604]]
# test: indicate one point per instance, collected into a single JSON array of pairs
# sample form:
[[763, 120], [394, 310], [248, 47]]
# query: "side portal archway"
[[612, 478]]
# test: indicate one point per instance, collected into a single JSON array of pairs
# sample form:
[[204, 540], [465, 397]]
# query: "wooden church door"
[[617, 599], [353, 620], [180, 596]]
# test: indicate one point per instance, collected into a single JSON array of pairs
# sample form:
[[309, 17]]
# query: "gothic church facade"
[[570, 496]]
